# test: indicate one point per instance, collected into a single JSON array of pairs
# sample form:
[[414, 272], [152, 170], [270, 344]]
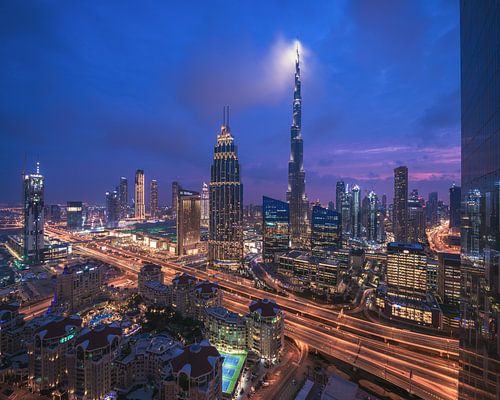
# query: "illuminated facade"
[[275, 228], [339, 194], [225, 241], [140, 211], [225, 329], [153, 199], [373, 218], [112, 209], [74, 215], [123, 193], [33, 206], [400, 223], [455, 206], [449, 278], [326, 231], [296, 194], [175, 193], [416, 219], [188, 222], [205, 205]]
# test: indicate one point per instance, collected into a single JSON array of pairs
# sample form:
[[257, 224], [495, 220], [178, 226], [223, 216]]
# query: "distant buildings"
[[74, 215], [175, 194], [33, 208], [112, 209], [140, 211], [123, 194], [455, 206], [225, 241], [416, 219], [153, 199], [205, 205], [432, 209], [326, 231], [275, 228], [373, 226], [355, 212], [188, 222], [339, 194], [400, 223]]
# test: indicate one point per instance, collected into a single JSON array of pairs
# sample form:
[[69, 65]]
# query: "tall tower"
[[123, 194], [33, 190], [175, 192], [339, 194], [112, 209], [296, 194], [188, 222], [225, 241], [153, 199], [356, 212], [139, 195], [400, 227], [205, 214]]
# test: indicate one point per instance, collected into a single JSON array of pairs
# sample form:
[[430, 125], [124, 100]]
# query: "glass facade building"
[[140, 211], [479, 376], [326, 231], [275, 228], [153, 199], [74, 215], [112, 209], [455, 206], [400, 222], [33, 207], [123, 193], [188, 222]]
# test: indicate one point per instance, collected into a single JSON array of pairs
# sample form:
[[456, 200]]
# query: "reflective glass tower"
[[356, 212], [225, 242], [188, 222], [296, 194], [400, 223], [372, 226], [326, 231], [339, 194], [33, 230], [479, 376], [123, 194], [455, 206], [112, 209], [276, 228]]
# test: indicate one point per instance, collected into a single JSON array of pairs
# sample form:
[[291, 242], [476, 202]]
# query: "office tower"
[[265, 329], [346, 202], [449, 278], [416, 219], [275, 228], [432, 208], [331, 205], [112, 209], [123, 194], [326, 231], [74, 215], [140, 211], [175, 192], [384, 204], [225, 240], [480, 64], [365, 210], [78, 286], [33, 205], [55, 213], [471, 235], [188, 222], [47, 351], [455, 206], [400, 204], [205, 205], [296, 194], [91, 363], [339, 194], [372, 226], [153, 199], [356, 212]]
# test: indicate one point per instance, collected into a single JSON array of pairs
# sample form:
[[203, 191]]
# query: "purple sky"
[[95, 91]]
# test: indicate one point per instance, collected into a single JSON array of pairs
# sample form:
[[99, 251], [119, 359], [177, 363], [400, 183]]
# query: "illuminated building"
[[296, 194], [204, 295], [455, 206], [55, 213], [400, 224], [112, 209], [182, 286], [373, 220], [140, 211], [91, 363], [205, 205], [416, 219], [339, 194], [123, 194], [275, 228], [479, 358], [346, 206], [149, 273], [225, 329], [10, 321], [265, 324], [153, 199], [47, 351], [74, 215], [326, 230], [33, 229], [175, 194], [188, 222], [432, 208], [449, 278], [355, 212], [197, 374], [225, 240], [79, 286]]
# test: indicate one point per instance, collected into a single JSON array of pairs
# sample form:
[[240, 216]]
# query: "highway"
[[407, 359]]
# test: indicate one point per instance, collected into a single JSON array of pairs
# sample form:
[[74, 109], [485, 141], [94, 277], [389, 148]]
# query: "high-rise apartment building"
[[416, 219], [356, 212], [123, 194], [455, 206], [140, 210], [296, 194], [188, 222], [326, 231], [339, 194], [112, 209], [346, 203], [153, 199], [275, 228], [74, 215], [225, 240], [400, 224], [33, 207], [205, 205], [479, 376]]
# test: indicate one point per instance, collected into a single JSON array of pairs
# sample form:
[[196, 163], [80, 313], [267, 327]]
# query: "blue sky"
[[96, 90]]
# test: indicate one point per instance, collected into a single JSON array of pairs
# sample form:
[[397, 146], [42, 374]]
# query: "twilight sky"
[[96, 90]]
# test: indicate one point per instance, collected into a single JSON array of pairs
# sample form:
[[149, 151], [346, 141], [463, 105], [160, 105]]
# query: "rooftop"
[[99, 337], [196, 360], [59, 327], [184, 279], [265, 307]]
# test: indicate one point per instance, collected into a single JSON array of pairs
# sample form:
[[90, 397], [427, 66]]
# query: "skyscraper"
[[275, 228], [33, 230], [74, 215], [112, 209], [346, 212], [339, 194], [123, 194], [356, 212], [175, 192], [455, 206], [188, 222], [326, 231], [205, 205], [432, 208], [372, 226], [140, 211], [479, 357], [416, 219], [153, 199], [296, 194], [400, 227], [225, 241]]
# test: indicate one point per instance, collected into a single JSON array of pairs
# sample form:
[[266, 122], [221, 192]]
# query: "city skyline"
[[139, 120]]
